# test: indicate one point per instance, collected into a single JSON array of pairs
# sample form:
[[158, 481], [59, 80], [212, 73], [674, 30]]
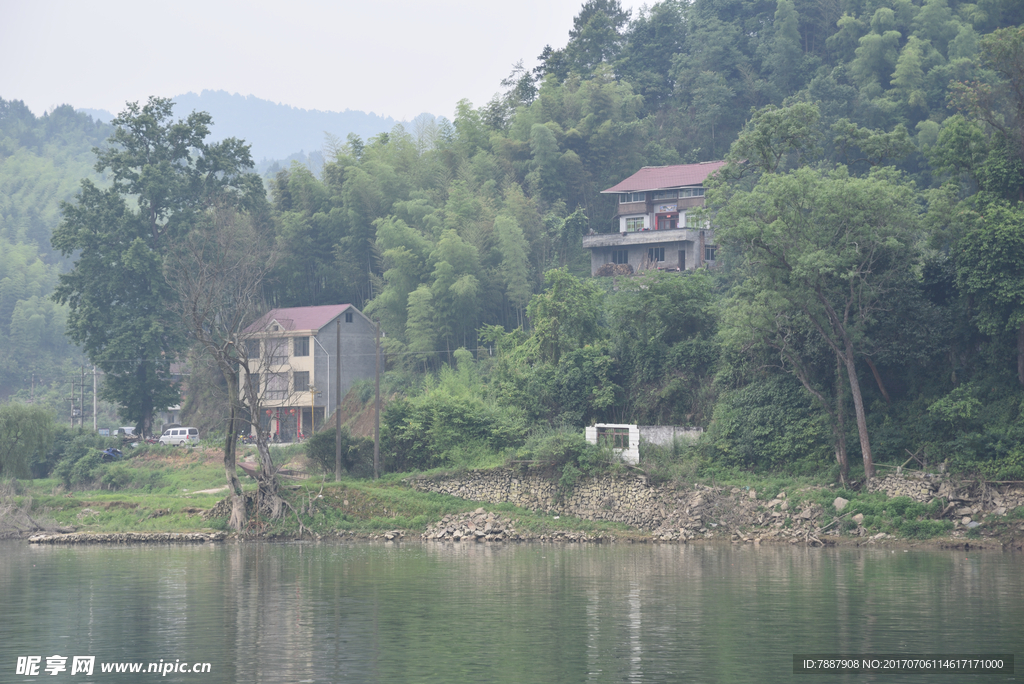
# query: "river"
[[521, 613]]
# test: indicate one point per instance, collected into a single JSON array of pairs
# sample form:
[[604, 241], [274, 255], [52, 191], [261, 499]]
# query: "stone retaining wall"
[[626, 499], [703, 511], [127, 538]]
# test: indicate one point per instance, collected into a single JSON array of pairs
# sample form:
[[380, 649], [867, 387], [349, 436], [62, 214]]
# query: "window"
[[667, 223], [656, 254], [300, 381], [691, 192], [665, 195], [348, 317], [709, 253], [627, 197], [277, 351], [620, 256], [252, 349], [255, 378], [634, 224], [300, 346], [617, 437], [277, 386]]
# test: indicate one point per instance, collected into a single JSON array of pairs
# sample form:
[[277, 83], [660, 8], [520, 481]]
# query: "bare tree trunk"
[[268, 499], [238, 518], [840, 427], [858, 407]]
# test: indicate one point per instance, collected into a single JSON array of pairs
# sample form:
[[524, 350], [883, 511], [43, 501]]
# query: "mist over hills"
[[277, 132]]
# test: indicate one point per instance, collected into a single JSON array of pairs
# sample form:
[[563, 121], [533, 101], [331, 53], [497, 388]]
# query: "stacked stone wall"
[[626, 499]]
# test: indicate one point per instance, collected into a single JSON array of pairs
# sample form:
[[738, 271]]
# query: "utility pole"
[[94, 399], [376, 413], [81, 403], [337, 405]]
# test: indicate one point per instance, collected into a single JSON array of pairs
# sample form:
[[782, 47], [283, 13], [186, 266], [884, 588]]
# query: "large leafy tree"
[[831, 249], [164, 175]]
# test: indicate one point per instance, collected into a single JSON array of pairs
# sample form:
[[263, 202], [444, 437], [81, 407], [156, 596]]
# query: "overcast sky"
[[395, 58]]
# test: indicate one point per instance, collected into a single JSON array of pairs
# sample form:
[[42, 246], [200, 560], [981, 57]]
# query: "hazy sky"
[[392, 57]]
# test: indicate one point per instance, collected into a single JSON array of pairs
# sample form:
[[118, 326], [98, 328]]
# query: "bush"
[[679, 462], [81, 470], [568, 454], [445, 429], [80, 457], [765, 425], [115, 476], [356, 452]]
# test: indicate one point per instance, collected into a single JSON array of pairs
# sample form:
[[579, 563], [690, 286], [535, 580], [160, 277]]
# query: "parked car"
[[112, 455], [180, 436]]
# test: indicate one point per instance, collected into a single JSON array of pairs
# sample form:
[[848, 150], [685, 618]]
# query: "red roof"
[[666, 177], [299, 317]]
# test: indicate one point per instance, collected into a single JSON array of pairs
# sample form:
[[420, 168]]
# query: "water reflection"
[[522, 613]]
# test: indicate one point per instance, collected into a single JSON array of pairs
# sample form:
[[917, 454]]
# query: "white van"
[[180, 436]]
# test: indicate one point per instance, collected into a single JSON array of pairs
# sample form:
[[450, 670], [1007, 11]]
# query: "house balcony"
[[643, 237]]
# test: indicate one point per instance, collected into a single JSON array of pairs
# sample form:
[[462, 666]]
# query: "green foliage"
[[447, 229], [681, 462], [567, 454], [120, 303], [449, 425], [356, 453], [769, 424], [26, 433], [900, 515]]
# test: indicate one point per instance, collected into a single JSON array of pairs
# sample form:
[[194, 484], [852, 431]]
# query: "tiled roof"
[[299, 317], [665, 177]]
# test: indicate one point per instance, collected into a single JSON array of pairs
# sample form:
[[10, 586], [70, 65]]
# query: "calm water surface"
[[522, 613]]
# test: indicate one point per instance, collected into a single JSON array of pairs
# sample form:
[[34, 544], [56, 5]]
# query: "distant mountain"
[[275, 131]]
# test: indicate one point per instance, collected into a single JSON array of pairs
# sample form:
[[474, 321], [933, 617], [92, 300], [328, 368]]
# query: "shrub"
[[567, 454], [119, 476], [356, 452], [441, 428]]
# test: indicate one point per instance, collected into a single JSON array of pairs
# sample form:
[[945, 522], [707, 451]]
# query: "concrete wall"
[[629, 455], [357, 356], [664, 435]]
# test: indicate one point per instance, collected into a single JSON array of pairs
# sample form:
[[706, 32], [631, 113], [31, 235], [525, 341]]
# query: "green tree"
[[996, 230], [515, 268], [27, 435], [832, 247], [567, 315], [121, 306]]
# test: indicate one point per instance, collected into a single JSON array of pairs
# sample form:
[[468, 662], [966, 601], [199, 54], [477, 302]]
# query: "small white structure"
[[624, 439], [664, 435]]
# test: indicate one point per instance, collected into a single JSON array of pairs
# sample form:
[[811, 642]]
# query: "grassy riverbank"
[[165, 489]]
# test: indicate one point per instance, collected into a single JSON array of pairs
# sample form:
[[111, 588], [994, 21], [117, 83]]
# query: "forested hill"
[[883, 143], [276, 131], [42, 163]]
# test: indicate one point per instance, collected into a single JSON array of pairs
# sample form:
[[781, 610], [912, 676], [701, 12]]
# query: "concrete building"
[[295, 354], [658, 224], [624, 439]]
